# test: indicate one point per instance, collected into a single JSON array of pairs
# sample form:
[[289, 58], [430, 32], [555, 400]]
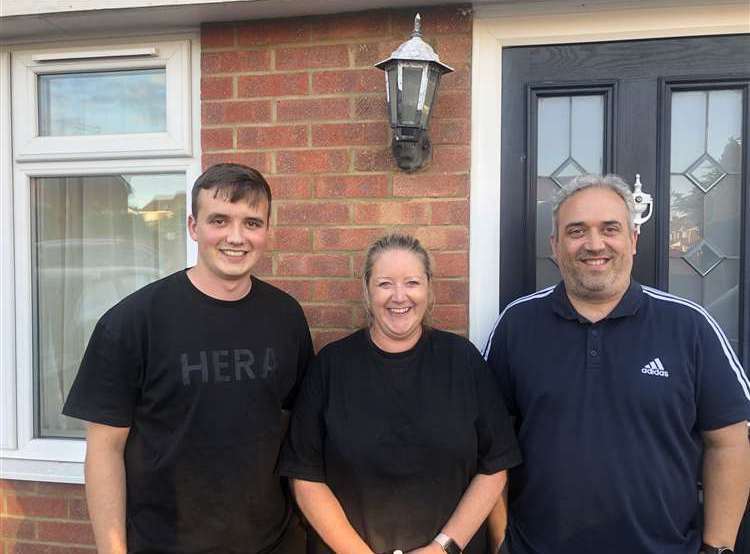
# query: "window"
[[94, 196], [102, 102], [94, 240], [705, 201]]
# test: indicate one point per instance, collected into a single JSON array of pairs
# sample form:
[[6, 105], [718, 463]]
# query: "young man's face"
[[231, 236], [594, 247]]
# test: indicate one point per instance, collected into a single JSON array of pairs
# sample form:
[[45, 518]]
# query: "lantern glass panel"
[[433, 79], [391, 81], [409, 86]]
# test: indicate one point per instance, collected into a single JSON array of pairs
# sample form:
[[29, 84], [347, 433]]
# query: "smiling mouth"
[[399, 311], [595, 261], [233, 253]]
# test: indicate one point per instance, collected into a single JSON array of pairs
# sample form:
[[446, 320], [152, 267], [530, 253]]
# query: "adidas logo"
[[655, 367]]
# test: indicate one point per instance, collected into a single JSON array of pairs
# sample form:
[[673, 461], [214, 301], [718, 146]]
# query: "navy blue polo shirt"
[[609, 416]]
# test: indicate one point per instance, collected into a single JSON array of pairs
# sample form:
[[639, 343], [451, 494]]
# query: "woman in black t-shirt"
[[399, 439]]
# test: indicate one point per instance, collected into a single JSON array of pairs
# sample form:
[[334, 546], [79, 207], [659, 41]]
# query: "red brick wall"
[[299, 100], [43, 518]]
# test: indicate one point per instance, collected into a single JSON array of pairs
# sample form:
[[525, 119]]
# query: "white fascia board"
[[39, 7], [96, 16]]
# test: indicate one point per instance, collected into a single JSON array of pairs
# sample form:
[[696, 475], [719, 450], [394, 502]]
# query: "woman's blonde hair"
[[397, 241]]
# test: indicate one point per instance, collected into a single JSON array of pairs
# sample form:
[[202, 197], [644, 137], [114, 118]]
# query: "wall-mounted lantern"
[[412, 75]]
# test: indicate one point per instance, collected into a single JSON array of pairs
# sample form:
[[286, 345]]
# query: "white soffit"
[[43, 19]]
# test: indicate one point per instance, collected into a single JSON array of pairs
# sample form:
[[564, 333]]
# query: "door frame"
[[540, 23]]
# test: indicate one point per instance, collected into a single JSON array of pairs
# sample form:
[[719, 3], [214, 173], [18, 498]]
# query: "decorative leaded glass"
[[570, 142], [705, 202]]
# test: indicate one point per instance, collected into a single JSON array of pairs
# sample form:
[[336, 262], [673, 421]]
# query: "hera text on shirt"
[[226, 366]]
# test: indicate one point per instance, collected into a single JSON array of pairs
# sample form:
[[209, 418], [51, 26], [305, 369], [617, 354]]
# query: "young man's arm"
[[105, 485], [726, 479]]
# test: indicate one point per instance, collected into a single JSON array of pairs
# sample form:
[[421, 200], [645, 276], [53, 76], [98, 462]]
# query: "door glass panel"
[[705, 201], [570, 142], [103, 103], [96, 240]]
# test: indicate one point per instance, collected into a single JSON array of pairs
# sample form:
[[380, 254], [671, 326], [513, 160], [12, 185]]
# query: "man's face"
[[231, 236], [594, 247]]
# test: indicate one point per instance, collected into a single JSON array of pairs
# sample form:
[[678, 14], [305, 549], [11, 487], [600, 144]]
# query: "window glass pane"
[[570, 142], [103, 103], [689, 143], [411, 82], [553, 133], [705, 200], [96, 240]]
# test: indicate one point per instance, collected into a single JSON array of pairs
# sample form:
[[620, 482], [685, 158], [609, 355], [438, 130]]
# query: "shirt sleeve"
[[106, 387], [497, 445], [496, 354], [302, 454], [723, 386]]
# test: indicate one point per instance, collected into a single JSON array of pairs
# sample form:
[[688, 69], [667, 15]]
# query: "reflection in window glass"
[[410, 86], [103, 103], [705, 199], [96, 240], [570, 142]]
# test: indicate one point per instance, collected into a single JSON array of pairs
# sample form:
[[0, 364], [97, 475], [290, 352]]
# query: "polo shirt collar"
[[629, 303]]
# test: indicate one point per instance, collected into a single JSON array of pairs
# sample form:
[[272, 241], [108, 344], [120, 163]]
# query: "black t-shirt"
[[399, 437], [201, 383]]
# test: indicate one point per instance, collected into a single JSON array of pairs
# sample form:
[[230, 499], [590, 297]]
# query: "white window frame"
[[22, 455], [174, 56], [539, 23]]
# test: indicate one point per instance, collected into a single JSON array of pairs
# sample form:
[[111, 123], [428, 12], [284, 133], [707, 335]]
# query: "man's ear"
[[635, 242], [191, 224], [553, 245]]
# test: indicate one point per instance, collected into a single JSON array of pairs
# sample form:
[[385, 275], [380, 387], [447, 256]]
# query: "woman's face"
[[398, 293]]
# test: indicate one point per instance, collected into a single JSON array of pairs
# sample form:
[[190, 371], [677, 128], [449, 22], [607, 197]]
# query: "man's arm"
[[726, 480], [105, 485]]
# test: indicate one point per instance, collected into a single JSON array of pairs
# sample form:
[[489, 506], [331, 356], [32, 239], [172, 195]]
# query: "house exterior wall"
[[300, 100]]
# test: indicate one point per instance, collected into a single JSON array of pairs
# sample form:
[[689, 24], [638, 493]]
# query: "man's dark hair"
[[234, 182]]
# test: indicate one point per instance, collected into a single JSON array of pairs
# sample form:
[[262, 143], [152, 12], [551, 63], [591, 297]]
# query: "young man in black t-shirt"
[[184, 384]]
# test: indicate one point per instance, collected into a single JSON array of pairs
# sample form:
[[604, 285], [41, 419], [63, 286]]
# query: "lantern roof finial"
[[415, 49], [417, 32]]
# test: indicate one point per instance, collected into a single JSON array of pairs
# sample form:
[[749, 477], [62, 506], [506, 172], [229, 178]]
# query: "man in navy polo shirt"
[[617, 389]]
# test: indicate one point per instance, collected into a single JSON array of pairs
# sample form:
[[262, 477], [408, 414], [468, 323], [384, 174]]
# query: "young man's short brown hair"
[[234, 182]]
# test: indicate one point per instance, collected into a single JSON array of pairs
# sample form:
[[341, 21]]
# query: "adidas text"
[[659, 372]]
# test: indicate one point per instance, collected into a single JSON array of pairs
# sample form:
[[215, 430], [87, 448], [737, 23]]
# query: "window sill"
[[51, 460]]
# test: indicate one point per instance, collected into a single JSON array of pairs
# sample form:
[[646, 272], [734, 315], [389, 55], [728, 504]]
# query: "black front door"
[[674, 111]]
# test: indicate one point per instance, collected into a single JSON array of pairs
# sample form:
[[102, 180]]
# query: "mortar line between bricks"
[[63, 544], [349, 41], [61, 519], [292, 149], [301, 97]]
